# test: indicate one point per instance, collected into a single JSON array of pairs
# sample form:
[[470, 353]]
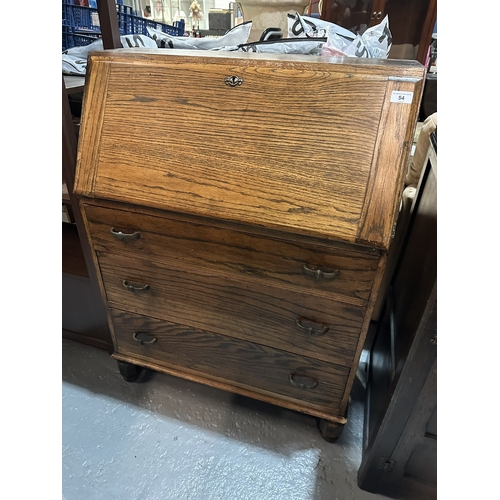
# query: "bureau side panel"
[[392, 149], [94, 105]]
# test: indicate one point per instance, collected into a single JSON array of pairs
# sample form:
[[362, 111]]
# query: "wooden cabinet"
[[84, 316], [400, 432], [353, 14], [241, 232]]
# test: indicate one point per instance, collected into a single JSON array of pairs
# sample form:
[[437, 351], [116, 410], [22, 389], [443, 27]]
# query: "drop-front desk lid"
[[305, 144]]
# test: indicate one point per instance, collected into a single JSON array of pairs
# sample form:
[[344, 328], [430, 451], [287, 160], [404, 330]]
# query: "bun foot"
[[128, 371], [330, 431]]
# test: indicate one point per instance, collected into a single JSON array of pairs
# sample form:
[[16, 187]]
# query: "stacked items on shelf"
[[80, 25]]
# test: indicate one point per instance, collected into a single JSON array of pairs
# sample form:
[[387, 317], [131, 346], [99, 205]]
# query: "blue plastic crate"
[[71, 39], [80, 18], [87, 19], [81, 24], [140, 27], [125, 23]]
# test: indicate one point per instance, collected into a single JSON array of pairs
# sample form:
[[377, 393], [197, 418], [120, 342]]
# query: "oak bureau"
[[240, 208]]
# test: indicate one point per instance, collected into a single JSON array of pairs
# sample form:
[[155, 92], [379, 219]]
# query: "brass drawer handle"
[[144, 338], [125, 236], [134, 287], [318, 273], [310, 330], [302, 381]]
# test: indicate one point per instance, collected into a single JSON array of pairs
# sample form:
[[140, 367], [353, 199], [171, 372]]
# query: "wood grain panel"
[[235, 308], [238, 254], [237, 361], [263, 152], [385, 187], [93, 108]]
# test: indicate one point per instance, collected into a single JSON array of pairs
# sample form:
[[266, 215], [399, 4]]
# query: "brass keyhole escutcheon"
[[233, 81]]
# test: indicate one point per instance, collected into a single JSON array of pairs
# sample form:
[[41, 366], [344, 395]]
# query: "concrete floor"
[[165, 438]]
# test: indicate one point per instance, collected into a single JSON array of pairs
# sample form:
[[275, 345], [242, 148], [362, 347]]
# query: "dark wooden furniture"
[[411, 22], [241, 231], [400, 442], [84, 317]]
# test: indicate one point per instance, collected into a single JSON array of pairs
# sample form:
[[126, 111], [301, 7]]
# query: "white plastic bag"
[[234, 37], [286, 46], [72, 65], [375, 42], [127, 41], [378, 39], [74, 60], [310, 27]]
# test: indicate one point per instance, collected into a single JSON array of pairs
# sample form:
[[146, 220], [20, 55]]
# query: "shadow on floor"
[[230, 416]]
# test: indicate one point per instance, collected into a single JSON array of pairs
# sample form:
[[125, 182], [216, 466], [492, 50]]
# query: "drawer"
[[236, 361], [325, 270], [284, 319]]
